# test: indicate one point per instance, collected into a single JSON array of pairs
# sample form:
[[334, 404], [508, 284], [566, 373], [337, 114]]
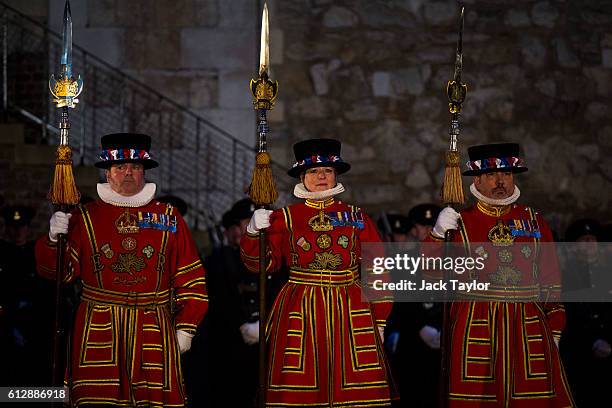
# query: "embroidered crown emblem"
[[501, 235], [321, 222], [127, 223]]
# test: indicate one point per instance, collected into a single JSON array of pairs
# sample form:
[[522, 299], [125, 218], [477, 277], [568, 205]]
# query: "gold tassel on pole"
[[63, 190], [263, 187], [452, 191]]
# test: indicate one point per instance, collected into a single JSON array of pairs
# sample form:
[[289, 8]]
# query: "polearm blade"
[[459, 53], [455, 89], [66, 59], [65, 89], [264, 50]]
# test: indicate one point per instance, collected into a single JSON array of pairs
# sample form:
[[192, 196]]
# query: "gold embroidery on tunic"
[[505, 256], [326, 260], [129, 243], [128, 263], [343, 241], [506, 275], [500, 235], [107, 251], [324, 241], [321, 222], [127, 223]]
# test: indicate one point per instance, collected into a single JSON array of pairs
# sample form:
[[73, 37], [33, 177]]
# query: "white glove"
[[250, 332], [58, 224], [431, 336], [381, 332], [259, 220], [184, 340], [447, 220], [601, 348]]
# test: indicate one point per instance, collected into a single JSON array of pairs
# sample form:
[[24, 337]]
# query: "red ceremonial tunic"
[[324, 345], [502, 354], [131, 261]]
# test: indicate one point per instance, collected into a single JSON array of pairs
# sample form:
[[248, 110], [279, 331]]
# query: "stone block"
[[241, 13], [34, 155], [544, 14], [203, 91], [318, 76], [277, 44], [162, 49], [277, 114], [597, 111], [606, 57], [362, 111], [234, 90], [340, 17], [427, 108], [411, 80], [440, 13], [517, 18], [100, 13], [11, 133], [7, 154], [565, 56], [312, 108], [377, 14], [240, 123], [547, 86], [207, 12], [381, 83], [533, 51], [135, 14], [105, 43], [217, 49], [175, 13]]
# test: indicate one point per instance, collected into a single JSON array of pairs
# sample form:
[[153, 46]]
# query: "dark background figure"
[[412, 335], [586, 343], [26, 299], [176, 202], [222, 366]]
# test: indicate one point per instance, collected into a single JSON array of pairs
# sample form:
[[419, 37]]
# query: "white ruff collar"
[[109, 196], [300, 192], [493, 201]]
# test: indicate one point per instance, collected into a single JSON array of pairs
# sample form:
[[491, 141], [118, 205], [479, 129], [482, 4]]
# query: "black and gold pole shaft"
[[263, 188], [63, 193], [452, 196]]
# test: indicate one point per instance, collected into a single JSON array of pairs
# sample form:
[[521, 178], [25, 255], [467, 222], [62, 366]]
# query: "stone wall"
[[373, 72], [200, 53]]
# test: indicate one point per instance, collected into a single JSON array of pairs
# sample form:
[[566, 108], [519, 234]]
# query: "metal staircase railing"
[[199, 161]]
